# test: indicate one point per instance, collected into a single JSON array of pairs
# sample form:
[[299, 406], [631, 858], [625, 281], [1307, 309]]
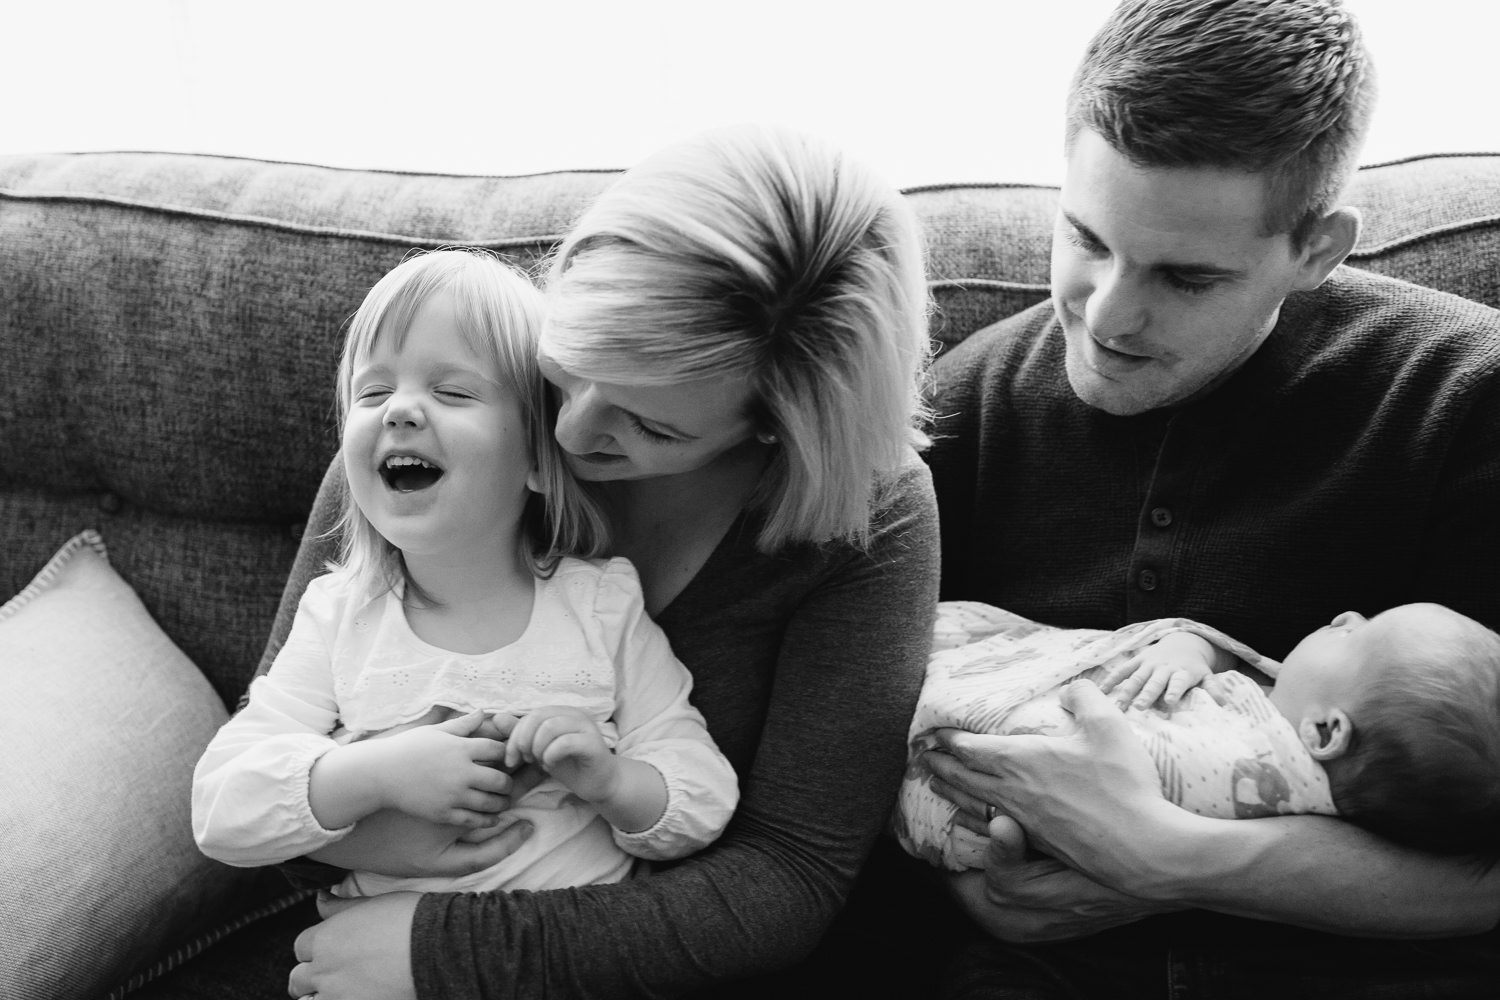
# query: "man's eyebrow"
[[1177, 267]]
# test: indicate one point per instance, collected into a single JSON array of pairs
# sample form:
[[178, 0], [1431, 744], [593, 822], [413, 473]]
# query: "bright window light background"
[[930, 91]]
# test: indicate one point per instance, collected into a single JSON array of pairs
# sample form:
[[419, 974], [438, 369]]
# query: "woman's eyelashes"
[[647, 433]]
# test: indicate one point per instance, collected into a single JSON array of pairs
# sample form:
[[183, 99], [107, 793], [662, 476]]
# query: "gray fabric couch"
[[169, 329]]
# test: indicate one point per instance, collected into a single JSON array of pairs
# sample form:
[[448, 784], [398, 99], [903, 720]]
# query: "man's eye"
[[1193, 286], [1076, 239]]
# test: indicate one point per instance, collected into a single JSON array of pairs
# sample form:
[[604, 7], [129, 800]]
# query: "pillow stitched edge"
[[43, 581]]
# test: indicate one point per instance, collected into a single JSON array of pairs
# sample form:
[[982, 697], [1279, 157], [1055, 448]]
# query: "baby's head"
[[1403, 710], [470, 304]]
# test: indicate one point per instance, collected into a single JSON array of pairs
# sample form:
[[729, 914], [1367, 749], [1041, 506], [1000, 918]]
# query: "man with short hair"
[[1212, 419]]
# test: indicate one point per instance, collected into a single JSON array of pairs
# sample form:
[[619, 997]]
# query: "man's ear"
[[1327, 245], [1327, 736]]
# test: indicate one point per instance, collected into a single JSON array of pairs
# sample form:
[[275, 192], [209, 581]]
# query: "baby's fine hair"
[[499, 315], [1424, 768], [770, 255], [1283, 87]]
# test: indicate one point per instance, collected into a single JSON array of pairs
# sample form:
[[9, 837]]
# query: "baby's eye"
[[454, 392], [371, 393]]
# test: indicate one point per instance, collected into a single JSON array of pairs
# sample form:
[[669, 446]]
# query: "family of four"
[[598, 667]]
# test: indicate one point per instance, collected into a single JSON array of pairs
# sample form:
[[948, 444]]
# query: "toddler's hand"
[[566, 744], [443, 773], [1164, 670]]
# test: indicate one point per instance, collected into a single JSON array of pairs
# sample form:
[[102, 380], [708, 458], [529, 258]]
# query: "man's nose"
[[1116, 304]]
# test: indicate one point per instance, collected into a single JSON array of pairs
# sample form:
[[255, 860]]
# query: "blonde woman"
[[737, 334]]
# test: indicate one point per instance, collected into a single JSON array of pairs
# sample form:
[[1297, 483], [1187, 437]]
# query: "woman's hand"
[[1091, 799], [361, 950], [393, 843]]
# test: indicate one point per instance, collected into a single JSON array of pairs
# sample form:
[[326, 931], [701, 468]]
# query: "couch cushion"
[[170, 325], [103, 719], [169, 332]]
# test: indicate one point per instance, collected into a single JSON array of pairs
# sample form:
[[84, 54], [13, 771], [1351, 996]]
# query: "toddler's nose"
[[403, 411]]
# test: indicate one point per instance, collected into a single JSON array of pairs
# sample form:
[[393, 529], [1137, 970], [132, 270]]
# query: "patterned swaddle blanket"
[[1224, 751]]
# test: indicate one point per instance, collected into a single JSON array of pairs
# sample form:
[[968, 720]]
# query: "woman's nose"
[[581, 418]]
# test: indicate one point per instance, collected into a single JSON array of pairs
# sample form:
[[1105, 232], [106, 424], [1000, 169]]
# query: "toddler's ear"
[[1326, 735]]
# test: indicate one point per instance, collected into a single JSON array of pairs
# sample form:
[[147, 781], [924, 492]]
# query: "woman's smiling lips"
[[597, 458]]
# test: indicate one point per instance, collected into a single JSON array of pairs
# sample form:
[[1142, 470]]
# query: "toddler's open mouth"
[[407, 473]]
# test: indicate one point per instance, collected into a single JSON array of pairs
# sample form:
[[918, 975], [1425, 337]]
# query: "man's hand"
[[1032, 900], [1091, 799]]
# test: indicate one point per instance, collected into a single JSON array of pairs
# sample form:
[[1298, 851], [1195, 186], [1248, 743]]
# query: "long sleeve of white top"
[[657, 724], [250, 787]]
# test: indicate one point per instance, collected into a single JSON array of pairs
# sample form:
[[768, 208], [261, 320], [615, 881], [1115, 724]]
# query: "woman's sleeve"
[[817, 796], [250, 788], [659, 726]]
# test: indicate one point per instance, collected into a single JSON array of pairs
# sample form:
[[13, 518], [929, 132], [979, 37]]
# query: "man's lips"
[[1114, 357]]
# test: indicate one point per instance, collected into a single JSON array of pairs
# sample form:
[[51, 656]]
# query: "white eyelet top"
[[352, 667]]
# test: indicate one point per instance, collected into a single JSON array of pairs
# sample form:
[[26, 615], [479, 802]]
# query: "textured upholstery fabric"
[[102, 719], [169, 329]]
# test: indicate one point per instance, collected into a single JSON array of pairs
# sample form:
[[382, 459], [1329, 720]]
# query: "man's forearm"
[[1316, 872]]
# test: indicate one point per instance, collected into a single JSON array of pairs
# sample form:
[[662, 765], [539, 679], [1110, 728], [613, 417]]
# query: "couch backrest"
[[170, 324]]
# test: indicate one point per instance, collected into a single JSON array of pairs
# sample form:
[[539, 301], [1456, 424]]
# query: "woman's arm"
[[1093, 801], [806, 667]]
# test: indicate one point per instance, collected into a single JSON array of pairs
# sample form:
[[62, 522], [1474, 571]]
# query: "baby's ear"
[[1326, 735]]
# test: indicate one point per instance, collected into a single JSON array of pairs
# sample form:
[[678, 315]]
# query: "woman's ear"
[[534, 480], [1327, 736], [1327, 245]]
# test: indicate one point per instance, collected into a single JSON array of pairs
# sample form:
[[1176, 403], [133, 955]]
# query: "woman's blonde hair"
[[499, 315], [766, 254]]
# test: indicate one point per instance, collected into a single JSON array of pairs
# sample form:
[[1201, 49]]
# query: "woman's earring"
[[766, 437]]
